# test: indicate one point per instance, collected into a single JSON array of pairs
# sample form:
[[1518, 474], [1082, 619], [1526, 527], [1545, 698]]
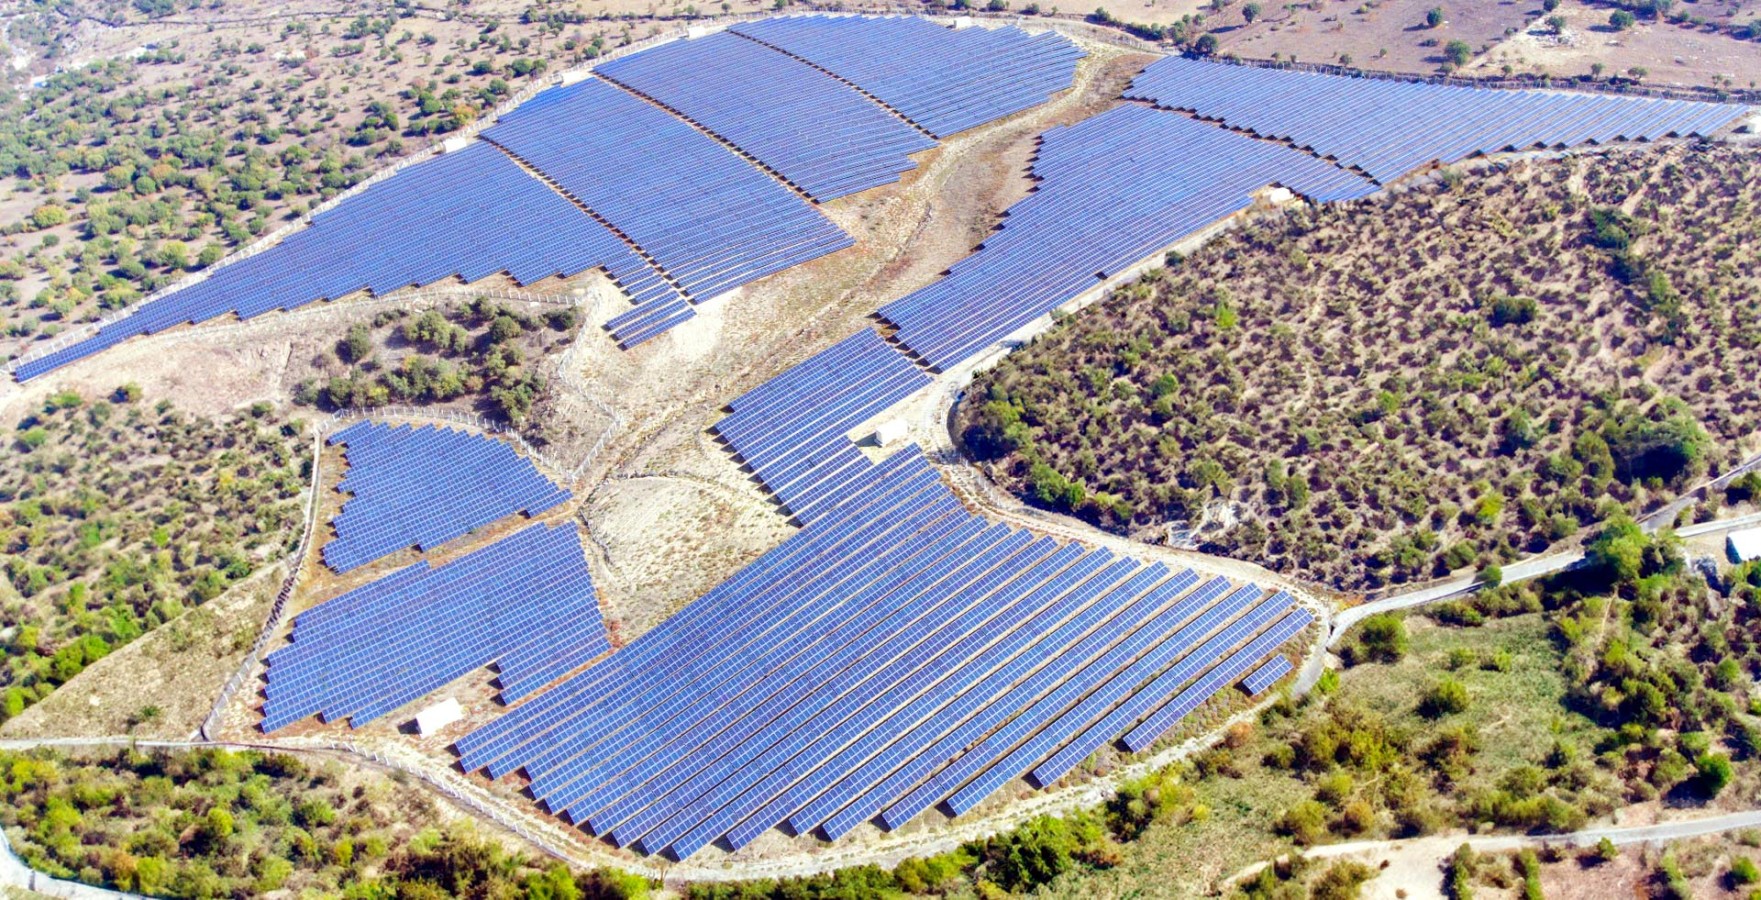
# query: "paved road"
[[1522, 570], [1634, 834], [1412, 869]]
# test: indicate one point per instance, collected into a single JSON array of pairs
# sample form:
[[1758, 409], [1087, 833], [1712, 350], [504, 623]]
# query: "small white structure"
[[438, 716], [963, 22], [454, 144], [575, 75], [1745, 544], [890, 432], [693, 32]]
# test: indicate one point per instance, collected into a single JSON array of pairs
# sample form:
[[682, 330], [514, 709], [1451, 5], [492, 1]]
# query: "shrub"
[[1444, 698], [1744, 871], [1714, 773], [1621, 20]]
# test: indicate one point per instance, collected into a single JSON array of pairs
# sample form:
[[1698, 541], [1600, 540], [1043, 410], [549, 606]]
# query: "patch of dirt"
[[1671, 54], [1388, 35]]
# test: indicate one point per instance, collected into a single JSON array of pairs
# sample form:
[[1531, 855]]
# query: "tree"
[[1491, 576], [1206, 45], [357, 345], [1434, 17], [1744, 871], [1621, 20], [1715, 772], [1384, 637], [48, 215], [1458, 52], [1250, 12], [1617, 552], [1556, 24]]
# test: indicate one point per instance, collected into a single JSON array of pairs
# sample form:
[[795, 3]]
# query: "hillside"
[[1386, 391]]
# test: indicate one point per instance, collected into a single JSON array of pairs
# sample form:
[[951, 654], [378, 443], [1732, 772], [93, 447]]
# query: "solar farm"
[[905, 656]]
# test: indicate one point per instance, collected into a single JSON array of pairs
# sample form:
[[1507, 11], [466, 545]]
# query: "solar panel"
[[817, 132], [944, 79], [868, 663], [524, 603], [710, 219], [1113, 190], [1388, 128], [465, 214], [405, 490]]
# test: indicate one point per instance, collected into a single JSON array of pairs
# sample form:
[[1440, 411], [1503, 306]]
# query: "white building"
[[438, 716]]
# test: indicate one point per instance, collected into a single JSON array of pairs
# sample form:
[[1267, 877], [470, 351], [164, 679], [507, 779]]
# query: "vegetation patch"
[[119, 515], [218, 823], [480, 355], [1382, 392]]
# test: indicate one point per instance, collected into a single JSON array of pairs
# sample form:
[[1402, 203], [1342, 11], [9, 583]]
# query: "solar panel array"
[[1267, 675], [524, 603], [710, 219], [792, 430], [1388, 128], [469, 213], [945, 80], [1114, 189], [423, 486], [814, 130], [897, 652]]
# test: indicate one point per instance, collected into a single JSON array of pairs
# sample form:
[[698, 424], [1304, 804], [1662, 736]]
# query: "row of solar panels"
[[421, 486], [710, 221], [1113, 189], [1389, 128], [944, 80], [525, 604], [895, 654], [814, 130], [793, 430], [466, 214]]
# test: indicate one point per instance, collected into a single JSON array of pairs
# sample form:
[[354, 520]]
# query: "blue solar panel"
[[812, 129], [405, 486], [1113, 190], [1389, 128], [1267, 675], [710, 219], [874, 649], [469, 213], [792, 429], [945, 80], [525, 603]]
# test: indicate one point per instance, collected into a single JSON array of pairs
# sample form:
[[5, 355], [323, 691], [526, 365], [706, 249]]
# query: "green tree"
[[1715, 773], [1384, 637], [357, 345], [1458, 52], [1620, 19], [1250, 12], [1434, 17]]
